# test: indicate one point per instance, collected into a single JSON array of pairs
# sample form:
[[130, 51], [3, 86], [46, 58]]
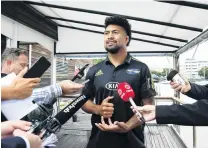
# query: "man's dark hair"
[[120, 21]]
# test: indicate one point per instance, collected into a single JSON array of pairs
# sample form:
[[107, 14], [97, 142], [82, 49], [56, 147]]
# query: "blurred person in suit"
[[14, 135]]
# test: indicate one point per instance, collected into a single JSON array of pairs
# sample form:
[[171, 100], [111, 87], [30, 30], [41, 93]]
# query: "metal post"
[[201, 37], [8, 43], [205, 72], [176, 94], [53, 76], [53, 68], [30, 55], [194, 137], [176, 67], [14, 35]]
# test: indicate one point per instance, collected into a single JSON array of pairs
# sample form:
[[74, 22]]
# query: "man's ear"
[[9, 63], [127, 39]]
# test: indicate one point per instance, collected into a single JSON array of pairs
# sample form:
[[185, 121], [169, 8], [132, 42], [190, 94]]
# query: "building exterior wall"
[[192, 67]]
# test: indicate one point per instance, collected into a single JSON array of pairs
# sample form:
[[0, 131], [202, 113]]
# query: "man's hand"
[[106, 108], [148, 112], [8, 127], [182, 88], [119, 127], [69, 87], [23, 87], [34, 140]]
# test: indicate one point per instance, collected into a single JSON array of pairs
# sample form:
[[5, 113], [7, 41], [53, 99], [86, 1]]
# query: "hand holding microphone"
[[148, 111], [20, 88], [51, 125], [182, 88], [69, 87], [34, 140], [178, 83], [127, 94]]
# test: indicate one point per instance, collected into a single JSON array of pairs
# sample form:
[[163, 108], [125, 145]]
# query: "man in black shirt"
[[104, 77]]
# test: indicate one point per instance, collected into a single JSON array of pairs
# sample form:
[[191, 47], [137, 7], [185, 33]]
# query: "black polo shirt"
[[104, 79]]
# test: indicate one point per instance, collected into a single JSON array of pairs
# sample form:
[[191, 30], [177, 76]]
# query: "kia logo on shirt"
[[112, 85]]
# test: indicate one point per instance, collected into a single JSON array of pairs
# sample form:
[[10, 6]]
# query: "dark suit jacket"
[[195, 114], [13, 142], [198, 92]]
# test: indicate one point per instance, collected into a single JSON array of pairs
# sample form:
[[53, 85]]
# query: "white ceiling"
[[82, 41]]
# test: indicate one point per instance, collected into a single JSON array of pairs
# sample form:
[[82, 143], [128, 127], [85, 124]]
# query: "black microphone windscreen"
[[65, 114], [79, 73], [171, 75]]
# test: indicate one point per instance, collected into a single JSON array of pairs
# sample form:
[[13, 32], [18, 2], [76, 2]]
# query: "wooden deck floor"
[[76, 134]]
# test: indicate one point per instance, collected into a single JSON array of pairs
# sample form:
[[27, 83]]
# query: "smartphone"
[[37, 70]]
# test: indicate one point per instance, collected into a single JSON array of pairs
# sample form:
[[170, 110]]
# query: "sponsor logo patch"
[[99, 73], [112, 85], [133, 71]]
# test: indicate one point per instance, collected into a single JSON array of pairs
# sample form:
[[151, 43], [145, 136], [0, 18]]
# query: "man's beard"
[[113, 50]]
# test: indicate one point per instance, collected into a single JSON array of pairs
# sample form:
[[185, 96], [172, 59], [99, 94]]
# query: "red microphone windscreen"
[[125, 91]]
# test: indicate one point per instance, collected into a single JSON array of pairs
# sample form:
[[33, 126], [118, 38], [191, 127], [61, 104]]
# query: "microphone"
[[79, 73], [45, 110], [175, 77], [127, 94], [51, 125], [39, 114], [64, 115]]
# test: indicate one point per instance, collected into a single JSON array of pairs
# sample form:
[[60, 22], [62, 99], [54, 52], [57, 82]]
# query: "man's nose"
[[110, 36]]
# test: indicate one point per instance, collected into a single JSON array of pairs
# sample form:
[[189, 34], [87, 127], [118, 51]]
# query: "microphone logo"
[[121, 94], [127, 86], [66, 110], [127, 89]]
